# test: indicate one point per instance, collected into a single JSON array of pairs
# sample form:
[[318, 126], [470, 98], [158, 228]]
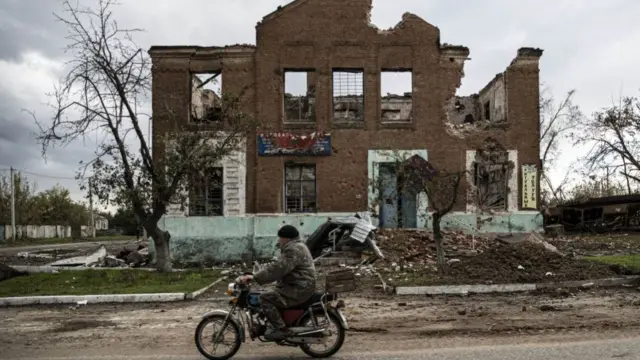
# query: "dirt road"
[[377, 323], [606, 347]]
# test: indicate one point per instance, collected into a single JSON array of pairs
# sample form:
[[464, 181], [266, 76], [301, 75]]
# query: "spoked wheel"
[[213, 342], [333, 340]]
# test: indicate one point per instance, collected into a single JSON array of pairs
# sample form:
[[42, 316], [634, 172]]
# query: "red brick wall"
[[327, 34]]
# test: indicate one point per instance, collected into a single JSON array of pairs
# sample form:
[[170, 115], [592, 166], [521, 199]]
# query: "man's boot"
[[280, 334]]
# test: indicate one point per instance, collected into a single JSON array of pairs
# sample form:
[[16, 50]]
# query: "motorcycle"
[[313, 323], [356, 232]]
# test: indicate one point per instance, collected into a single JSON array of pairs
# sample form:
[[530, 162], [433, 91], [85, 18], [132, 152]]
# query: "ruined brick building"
[[317, 77]]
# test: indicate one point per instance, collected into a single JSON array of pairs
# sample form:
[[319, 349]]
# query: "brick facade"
[[323, 35]]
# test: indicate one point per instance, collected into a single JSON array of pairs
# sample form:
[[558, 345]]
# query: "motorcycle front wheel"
[[334, 342], [209, 337]]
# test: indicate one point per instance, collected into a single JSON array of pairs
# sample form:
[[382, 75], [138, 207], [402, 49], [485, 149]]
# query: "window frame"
[[314, 114], [197, 187], [214, 75], [300, 207], [354, 70]]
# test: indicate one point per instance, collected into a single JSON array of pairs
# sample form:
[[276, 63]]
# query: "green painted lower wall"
[[204, 240]]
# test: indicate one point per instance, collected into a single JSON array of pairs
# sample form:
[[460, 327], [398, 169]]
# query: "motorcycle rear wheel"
[[217, 319], [341, 334]]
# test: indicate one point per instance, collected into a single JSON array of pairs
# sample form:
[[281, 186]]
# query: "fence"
[[42, 231]]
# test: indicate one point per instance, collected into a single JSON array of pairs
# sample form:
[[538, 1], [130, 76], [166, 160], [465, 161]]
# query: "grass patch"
[[628, 261], [112, 281], [54, 241]]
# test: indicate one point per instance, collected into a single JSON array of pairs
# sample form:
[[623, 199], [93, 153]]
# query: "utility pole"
[[93, 223], [13, 206]]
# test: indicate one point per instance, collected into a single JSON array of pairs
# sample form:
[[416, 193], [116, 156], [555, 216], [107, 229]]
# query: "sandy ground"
[[377, 322]]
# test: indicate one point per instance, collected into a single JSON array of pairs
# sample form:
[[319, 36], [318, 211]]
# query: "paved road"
[[589, 350]]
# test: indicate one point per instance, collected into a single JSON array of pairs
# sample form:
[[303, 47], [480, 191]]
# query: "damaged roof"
[[606, 200], [280, 9]]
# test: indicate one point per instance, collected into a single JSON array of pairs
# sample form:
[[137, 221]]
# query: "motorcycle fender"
[[232, 319], [337, 313], [333, 311]]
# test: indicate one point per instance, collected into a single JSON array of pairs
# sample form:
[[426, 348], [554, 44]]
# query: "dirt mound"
[[524, 262], [417, 247]]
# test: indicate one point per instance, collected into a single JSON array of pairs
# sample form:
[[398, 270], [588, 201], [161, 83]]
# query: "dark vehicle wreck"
[[354, 234], [597, 215]]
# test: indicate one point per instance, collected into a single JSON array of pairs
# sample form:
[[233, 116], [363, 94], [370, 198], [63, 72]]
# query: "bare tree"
[[417, 176], [613, 134], [594, 187], [557, 120], [108, 76]]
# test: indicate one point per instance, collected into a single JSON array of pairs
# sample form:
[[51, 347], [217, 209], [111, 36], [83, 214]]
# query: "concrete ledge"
[[463, 289], [195, 294], [510, 288], [91, 299]]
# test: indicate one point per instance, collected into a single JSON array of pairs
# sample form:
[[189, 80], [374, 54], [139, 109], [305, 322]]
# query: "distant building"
[[102, 223]]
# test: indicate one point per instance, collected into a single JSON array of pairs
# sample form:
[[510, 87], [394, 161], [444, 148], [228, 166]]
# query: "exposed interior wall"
[[513, 202]]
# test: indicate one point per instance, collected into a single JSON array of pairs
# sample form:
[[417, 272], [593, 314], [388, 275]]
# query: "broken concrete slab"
[[95, 257], [53, 269], [539, 239], [91, 299], [463, 289], [113, 262], [195, 294], [510, 288]]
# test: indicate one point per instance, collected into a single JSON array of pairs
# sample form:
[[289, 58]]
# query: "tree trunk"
[[162, 250], [437, 234]]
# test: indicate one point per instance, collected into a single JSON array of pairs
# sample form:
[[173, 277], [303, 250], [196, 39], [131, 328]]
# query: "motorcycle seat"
[[314, 299]]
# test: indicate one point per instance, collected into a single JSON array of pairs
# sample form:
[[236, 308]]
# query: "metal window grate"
[[206, 194], [300, 188], [348, 95]]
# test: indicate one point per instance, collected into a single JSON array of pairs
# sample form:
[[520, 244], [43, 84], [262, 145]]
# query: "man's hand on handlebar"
[[244, 279]]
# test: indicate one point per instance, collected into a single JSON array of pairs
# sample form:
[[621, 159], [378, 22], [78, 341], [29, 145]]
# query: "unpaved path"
[[378, 323], [588, 346]]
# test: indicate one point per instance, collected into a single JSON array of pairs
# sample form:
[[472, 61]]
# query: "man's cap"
[[288, 232]]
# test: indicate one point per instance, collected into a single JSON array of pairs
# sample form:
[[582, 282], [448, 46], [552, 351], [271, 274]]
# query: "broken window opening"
[[206, 97], [469, 119], [487, 110], [491, 179], [206, 193], [300, 188], [396, 90], [348, 95], [299, 96]]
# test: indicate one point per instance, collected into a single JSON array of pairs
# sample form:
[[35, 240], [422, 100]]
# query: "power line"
[[45, 176]]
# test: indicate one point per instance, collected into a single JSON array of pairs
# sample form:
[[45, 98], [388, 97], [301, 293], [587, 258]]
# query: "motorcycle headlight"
[[231, 289]]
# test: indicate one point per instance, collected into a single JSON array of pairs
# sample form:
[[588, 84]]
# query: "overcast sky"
[[590, 46]]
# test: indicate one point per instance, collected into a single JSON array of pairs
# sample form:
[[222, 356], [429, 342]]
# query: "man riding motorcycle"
[[295, 274]]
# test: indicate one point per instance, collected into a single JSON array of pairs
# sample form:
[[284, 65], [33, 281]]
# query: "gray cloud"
[[30, 26], [590, 45]]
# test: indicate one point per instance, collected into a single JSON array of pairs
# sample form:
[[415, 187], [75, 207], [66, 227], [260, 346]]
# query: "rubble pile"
[[416, 248], [134, 255], [525, 262]]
